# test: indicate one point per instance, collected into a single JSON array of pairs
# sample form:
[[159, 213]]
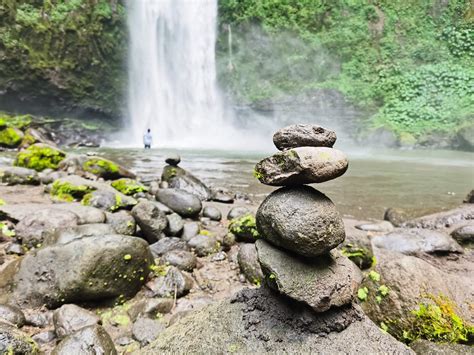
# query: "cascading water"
[[172, 75]]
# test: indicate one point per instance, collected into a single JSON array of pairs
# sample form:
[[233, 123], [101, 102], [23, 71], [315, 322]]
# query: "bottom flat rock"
[[261, 321]]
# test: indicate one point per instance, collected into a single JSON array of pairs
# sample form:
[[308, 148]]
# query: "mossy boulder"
[[20, 121], [86, 269], [128, 186], [33, 136], [39, 157], [108, 200], [244, 228], [10, 137], [14, 175], [106, 169], [67, 191]]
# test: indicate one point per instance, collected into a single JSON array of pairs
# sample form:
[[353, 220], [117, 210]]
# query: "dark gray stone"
[[425, 347], [44, 337], [12, 314], [175, 224], [35, 228], [173, 159], [180, 201], [87, 269], [256, 321], [190, 230], [212, 213], [464, 235], [14, 248], [14, 341], [182, 259], [222, 195], [108, 200], [300, 219], [412, 241], [249, 264], [78, 232], [178, 178], [69, 318], [175, 281], [304, 165], [323, 282], [150, 219], [166, 244], [14, 175], [122, 222], [145, 330], [90, 340], [150, 307], [204, 244], [237, 212], [303, 135], [396, 216]]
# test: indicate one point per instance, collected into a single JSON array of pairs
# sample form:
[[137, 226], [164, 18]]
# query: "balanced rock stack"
[[299, 226]]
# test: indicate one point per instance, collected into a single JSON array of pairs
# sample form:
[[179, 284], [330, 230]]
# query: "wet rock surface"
[[249, 264], [89, 340], [321, 282], [180, 201], [151, 220], [300, 219], [82, 270], [412, 241], [178, 178], [303, 165], [14, 341], [69, 318], [303, 135], [260, 321]]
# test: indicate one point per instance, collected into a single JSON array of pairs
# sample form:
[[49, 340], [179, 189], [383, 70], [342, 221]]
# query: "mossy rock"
[[10, 137], [21, 121], [106, 169], [65, 191], [128, 186], [362, 257], [244, 228], [39, 157]]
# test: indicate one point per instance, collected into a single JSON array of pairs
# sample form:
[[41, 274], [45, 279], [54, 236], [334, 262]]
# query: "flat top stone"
[[303, 165], [303, 135], [413, 240]]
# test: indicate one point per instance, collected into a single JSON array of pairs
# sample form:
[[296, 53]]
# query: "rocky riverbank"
[[89, 254]]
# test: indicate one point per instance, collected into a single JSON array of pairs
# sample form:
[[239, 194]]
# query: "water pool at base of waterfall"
[[420, 180]]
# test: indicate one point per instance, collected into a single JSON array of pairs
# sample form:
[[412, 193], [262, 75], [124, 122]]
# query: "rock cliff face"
[[63, 57]]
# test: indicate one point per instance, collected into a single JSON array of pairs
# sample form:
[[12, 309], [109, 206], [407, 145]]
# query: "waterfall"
[[172, 75]]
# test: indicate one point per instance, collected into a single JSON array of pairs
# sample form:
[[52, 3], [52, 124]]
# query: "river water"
[[422, 181]]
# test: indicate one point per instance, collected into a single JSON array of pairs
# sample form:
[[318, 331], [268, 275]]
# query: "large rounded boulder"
[[178, 178], [300, 219], [86, 269]]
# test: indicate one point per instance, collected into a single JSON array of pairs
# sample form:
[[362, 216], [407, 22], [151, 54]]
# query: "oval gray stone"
[[303, 135], [304, 165], [300, 219]]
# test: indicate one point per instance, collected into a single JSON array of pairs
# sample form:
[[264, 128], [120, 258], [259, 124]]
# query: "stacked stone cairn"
[[300, 226]]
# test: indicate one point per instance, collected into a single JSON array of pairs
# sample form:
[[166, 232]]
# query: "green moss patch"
[[39, 157], [244, 228], [10, 137], [128, 186], [66, 191], [102, 167], [437, 320]]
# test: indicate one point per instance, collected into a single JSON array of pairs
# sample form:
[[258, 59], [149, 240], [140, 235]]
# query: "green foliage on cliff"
[[407, 63], [73, 50]]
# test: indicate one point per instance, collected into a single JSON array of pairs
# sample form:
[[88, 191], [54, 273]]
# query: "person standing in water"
[[147, 139]]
